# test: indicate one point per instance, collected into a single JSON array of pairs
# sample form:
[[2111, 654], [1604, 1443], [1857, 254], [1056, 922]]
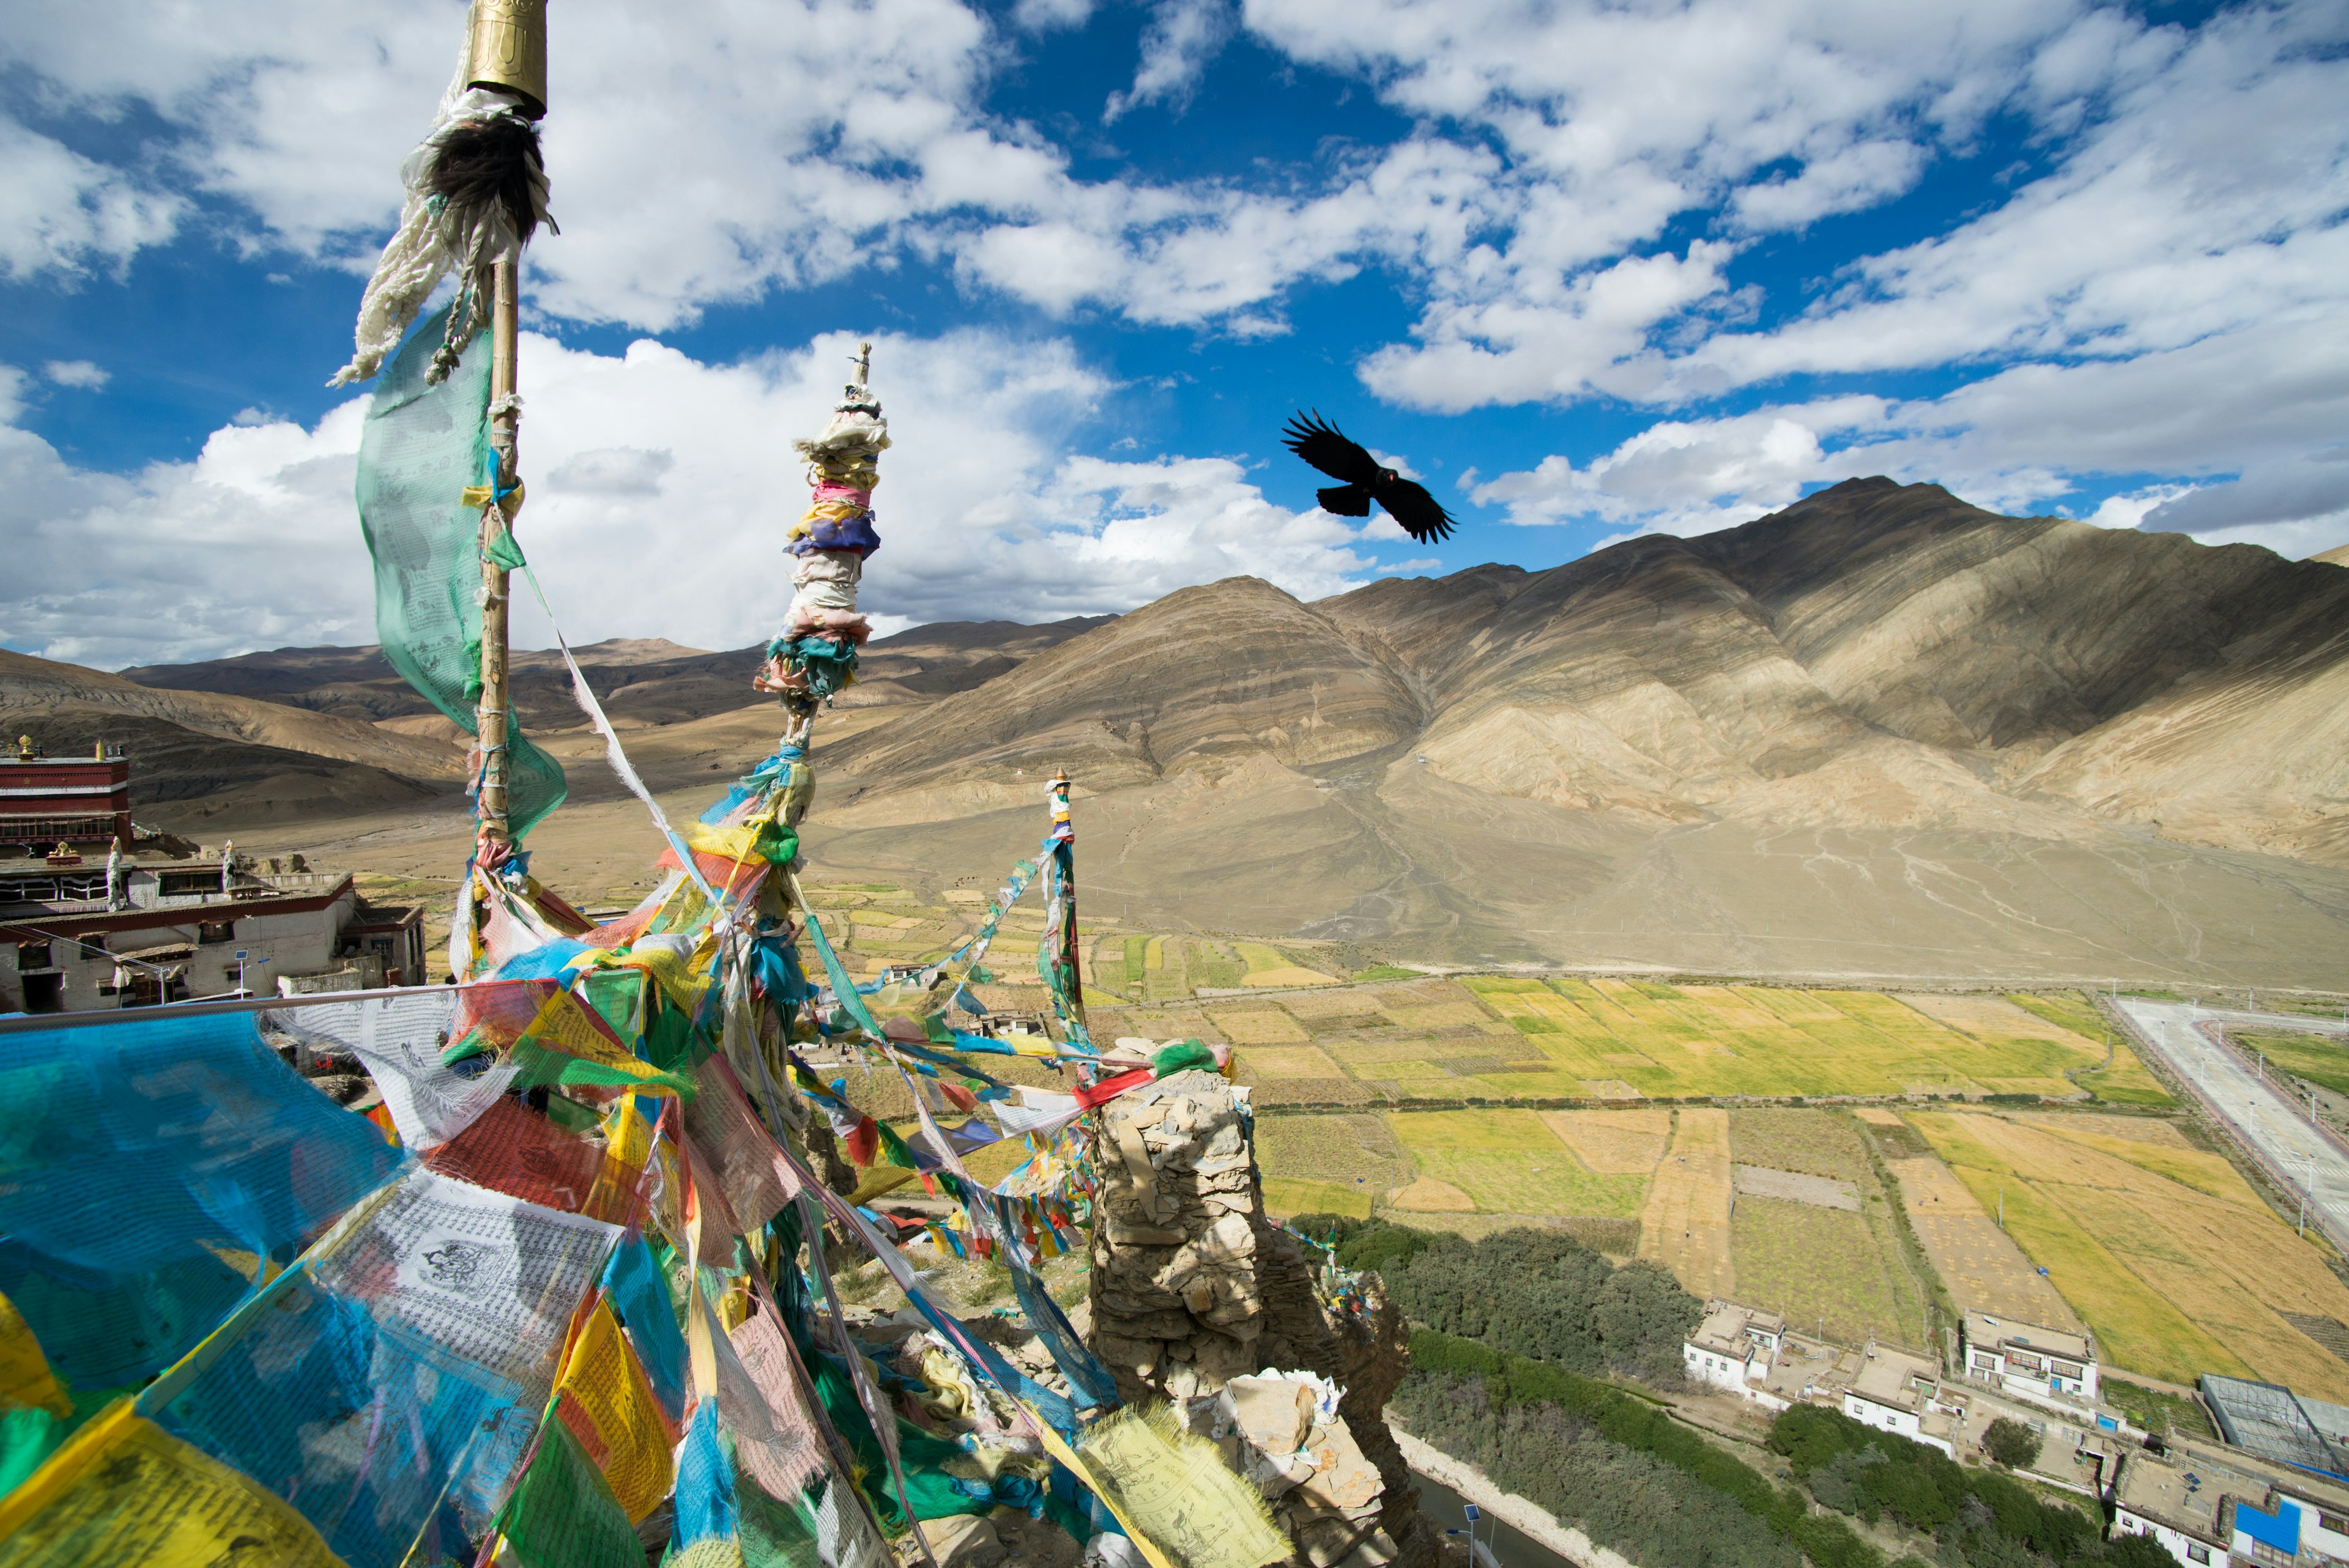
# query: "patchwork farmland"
[[2083, 1198]]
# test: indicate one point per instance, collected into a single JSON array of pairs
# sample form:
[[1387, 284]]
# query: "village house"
[[73, 936], [1733, 1346], [1900, 1393], [2205, 1505], [1753, 1354], [2029, 1360]]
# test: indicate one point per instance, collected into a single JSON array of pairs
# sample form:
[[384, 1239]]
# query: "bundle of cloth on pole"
[[815, 655]]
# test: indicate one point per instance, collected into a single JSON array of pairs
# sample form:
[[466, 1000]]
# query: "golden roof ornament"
[[509, 48]]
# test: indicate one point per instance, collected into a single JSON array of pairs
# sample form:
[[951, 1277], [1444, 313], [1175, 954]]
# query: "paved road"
[[2275, 1124]]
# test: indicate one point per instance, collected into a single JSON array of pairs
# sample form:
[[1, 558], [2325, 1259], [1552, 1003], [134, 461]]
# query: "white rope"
[[585, 695], [422, 250]]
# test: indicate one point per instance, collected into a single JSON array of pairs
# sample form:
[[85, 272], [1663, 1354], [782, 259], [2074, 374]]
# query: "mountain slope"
[[31, 688], [1880, 732], [647, 679]]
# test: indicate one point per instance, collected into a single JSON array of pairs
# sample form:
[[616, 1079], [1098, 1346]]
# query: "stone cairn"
[[1198, 1299]]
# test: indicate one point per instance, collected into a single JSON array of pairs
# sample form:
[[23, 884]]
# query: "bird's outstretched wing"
[[1318, 442], [1421, 514]]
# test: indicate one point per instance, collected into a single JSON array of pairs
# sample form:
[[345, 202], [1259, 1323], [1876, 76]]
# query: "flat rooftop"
[[1893, 1377], [1982, 1328]]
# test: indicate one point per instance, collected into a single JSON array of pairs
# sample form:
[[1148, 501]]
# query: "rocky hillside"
[[1881, 731], [198, 753], [1875, 655]]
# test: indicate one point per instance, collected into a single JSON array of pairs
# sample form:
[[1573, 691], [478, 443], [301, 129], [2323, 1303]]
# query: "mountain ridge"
[[1879, 732]]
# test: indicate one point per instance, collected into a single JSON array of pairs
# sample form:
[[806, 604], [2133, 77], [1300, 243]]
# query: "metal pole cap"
[[509, 48]]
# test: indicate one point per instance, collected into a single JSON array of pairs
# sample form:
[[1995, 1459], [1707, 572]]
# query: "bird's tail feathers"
[[1346, 501]]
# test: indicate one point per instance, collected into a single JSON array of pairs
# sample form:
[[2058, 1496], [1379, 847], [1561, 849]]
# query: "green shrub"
[[1855, 1469], [1622, 1498], [1642, 1428], [2011, 1443], [1541, 1293]]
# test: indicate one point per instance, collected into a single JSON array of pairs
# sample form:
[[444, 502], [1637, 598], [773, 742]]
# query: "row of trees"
[[1533, 1293], [1992, 1520], [1690, 1502], [1636, 1479]]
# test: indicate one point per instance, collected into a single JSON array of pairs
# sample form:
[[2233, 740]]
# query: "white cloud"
[[1690, 475], [62, 213], [1050, 16], [78, 373], [2315, 486], [1183, 37], [2127, 510], [2157, 299], [660, 488]]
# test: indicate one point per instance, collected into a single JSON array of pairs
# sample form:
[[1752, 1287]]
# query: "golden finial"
[[509, 48]]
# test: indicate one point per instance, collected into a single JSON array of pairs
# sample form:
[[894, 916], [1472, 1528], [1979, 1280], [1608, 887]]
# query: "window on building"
[[32, 956], [180, 884], [92, 944], [2066, 1369], [2333, 1522], [2198, 1554], [214, 931]]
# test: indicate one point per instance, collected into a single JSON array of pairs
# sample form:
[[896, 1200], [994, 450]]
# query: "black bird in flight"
[[1319, 443]]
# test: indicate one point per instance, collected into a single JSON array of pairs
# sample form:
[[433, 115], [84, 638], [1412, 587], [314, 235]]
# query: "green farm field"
[[1722, 1040], [1509, 1163], [1814, 1263], [2323, 1061]]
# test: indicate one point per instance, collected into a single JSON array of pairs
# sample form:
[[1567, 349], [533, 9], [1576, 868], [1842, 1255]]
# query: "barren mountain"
[[1880, 727], [646, 680], [200, 753], [1874, 634], [1879, 732]]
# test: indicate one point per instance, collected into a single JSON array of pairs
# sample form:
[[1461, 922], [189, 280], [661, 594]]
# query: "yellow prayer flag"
[[604, 1390], [739, 842], [1174, 1486], [25, 1375], [567, 1024], [628, 1145], [123, 1490], [684, 983]]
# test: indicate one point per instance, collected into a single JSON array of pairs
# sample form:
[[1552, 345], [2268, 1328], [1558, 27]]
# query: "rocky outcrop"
[[1197, 1298]]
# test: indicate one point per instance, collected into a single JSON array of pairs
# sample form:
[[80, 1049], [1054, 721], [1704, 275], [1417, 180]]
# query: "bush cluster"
[[1724, 1510], [1979, 1517], [1619, 1497], [1534, 1292]]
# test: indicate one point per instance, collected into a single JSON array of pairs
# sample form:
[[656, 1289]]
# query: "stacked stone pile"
[[1197, 1298]]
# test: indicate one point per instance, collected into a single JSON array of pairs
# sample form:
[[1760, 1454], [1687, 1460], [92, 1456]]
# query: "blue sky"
[[1588, 270]]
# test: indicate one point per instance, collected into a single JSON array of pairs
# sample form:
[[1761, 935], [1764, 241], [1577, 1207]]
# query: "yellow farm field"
[[1977, 1261], [1705, 1040], [1685, 1223], [1509, 1163], [1288, 1062], [1263, 1026], [2167, 1255], [1614, 1142], [1270, 966]]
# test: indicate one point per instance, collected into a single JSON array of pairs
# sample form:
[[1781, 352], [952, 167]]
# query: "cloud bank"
[[2140, 318]]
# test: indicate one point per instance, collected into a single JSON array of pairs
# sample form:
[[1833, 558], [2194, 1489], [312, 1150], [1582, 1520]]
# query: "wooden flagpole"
[[507, 50], [490, 715]]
